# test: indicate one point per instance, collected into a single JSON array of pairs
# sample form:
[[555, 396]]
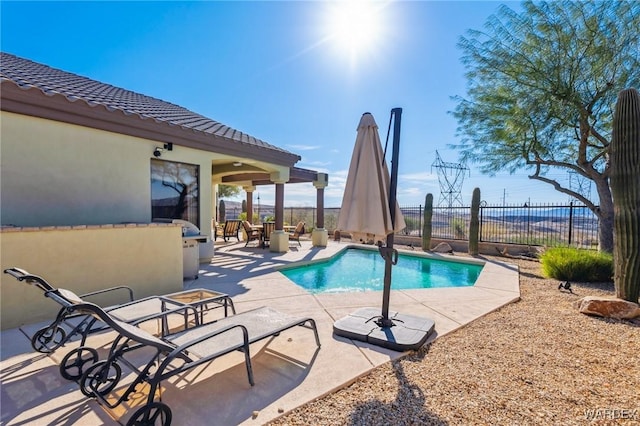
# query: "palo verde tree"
[[228, 191], [542, 85]]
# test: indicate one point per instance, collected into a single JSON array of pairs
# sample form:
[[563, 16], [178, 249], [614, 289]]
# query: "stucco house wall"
[[69, 190], [147, 258], [55, 173]]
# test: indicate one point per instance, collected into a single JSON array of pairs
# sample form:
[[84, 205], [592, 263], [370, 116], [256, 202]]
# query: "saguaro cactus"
[[625, 188], [222, 211], [426, 223], [474, 223]]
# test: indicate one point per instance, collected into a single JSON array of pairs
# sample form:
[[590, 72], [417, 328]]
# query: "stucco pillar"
[[279, 240], [319, 235], [249, 190], [214, 210], [214, 204], [279, 205]]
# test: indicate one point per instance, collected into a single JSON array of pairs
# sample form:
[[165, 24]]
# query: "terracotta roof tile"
[[28, 74]]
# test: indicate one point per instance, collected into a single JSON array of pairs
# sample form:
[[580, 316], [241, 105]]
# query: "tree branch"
[[542, 162], [560, 188]]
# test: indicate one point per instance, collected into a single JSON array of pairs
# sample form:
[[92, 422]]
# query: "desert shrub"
[[572, 264], [412, 225], [459, 227], [243, 216]]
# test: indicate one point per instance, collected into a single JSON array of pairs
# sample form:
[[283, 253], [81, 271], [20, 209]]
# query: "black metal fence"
[[559, 225]]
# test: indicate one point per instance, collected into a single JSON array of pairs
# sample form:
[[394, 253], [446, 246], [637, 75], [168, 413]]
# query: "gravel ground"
[[534, 362]]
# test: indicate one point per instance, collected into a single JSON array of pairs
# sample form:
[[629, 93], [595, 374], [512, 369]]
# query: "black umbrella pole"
[[393, 186]]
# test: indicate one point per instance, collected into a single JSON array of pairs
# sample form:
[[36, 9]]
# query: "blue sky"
[[287, 73]]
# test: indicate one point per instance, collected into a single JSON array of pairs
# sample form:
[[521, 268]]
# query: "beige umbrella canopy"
[[365, 205]]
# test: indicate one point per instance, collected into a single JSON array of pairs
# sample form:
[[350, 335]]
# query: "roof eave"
[[33, 102]]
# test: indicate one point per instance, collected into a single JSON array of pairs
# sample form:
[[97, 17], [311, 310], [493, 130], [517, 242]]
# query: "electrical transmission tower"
[[580, 185], [451, 178]]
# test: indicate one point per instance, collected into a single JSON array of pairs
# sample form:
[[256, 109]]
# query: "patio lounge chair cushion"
[[253, 234], [68, 324], [267, 229], [230, 229], [201, 343], [260, 323], [70, 296], [295, 236], [131, 311]]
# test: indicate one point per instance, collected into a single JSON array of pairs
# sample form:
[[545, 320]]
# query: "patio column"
[[249, 190], [279, 240], [215, 213], [319, 235], [214, 209], [279, 206]]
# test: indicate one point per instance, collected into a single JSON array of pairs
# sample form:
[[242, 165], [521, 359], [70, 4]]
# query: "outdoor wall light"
[[237, 164], [166, 147]]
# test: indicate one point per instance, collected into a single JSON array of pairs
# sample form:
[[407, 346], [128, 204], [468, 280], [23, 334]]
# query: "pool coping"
[[486, 278], [428, 255]]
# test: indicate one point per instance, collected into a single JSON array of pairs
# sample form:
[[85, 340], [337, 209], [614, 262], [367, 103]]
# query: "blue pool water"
[[363, 270]]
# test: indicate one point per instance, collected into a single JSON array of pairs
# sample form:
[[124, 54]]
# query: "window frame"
[[161, 169]]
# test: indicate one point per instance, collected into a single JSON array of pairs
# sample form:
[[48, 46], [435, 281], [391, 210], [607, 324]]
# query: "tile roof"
[[27, 74]]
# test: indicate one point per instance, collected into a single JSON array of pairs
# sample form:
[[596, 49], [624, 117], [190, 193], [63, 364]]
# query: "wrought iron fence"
[[536, 224], [550, 225], [540, 224]]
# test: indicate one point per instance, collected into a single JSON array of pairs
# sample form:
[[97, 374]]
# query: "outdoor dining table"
[[259, 228], [285, 227]]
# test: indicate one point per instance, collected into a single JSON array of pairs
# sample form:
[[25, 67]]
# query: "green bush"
[[243, 216], [459, 227], [577, 265], [412, 225]]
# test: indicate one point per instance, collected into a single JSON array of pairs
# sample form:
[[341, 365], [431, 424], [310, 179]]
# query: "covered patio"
[[250, 176]]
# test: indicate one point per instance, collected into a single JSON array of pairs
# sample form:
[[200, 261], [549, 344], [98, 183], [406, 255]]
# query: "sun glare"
[[355, 27]]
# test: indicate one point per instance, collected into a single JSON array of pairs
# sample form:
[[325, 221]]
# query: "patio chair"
[[253, 234], [295, 235], [68, 324], [174, 354], [267, 229], [230, 229]]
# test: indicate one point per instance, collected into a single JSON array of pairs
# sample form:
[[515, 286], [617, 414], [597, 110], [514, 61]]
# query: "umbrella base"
[[407, 333]]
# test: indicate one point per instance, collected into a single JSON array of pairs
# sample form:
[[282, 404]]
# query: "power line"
[[450, 177], [580, 185]]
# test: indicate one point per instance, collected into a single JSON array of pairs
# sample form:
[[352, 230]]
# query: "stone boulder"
[[442, 248], [608, 307]]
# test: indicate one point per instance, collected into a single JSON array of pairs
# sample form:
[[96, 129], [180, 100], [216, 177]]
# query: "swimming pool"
[[363, 270]]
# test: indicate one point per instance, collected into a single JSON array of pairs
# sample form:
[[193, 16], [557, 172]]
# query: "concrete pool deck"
[[289, 369]]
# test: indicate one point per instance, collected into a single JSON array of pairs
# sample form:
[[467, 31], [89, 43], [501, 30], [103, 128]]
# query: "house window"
[[175, 191]]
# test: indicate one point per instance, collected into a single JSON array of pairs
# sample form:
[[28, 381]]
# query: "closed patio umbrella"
[[365, 210], [370, 213]]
